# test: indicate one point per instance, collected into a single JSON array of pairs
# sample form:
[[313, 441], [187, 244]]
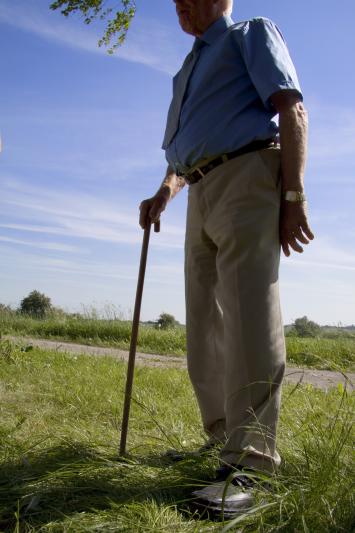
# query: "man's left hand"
[[294, 227]]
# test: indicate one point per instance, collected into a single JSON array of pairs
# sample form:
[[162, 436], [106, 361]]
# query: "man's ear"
[[226, 5]]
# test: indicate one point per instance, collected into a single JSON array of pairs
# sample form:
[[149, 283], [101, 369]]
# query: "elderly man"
[[245, 177]]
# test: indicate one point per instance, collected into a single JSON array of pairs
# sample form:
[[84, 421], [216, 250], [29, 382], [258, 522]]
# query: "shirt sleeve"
[[267, 59]]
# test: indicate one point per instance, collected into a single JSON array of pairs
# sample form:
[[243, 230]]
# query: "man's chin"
[[187, 29], [186, 26]]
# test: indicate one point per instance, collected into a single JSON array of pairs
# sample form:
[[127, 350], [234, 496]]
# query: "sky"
[[81, 135]]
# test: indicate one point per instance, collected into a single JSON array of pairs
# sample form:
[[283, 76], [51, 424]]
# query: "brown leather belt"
[[200, 172]]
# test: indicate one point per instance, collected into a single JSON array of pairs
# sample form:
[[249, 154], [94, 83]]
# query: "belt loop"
[[200, 172]]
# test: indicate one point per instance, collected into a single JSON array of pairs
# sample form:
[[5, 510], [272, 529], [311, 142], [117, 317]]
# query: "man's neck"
[[208, 25]]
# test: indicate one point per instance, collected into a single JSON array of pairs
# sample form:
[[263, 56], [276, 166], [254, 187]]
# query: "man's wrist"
[[165, 190]]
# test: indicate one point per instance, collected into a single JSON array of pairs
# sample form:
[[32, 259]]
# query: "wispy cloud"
[[332, 133], [96, 144], [76, 215], [322, 254], [53, 246], [144, 44], [317, 264], [166, 274]]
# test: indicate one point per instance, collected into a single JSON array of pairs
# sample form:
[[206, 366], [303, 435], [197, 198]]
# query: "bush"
[[36, 305], [166, 321], [6, 309], [306, 328]]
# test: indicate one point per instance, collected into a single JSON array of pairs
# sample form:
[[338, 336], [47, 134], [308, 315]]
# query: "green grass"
[[59, 430], [115, 333], [325, 354], [321, 353]]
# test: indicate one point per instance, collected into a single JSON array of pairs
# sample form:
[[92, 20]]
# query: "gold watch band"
[[294, 196]]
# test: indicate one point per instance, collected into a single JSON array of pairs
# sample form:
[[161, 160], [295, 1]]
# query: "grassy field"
[[322, 353], [59, 431]]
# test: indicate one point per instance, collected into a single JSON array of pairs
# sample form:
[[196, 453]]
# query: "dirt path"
[[322, 379]]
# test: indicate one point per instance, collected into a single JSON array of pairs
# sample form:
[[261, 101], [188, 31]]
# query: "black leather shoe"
[[230, 494]]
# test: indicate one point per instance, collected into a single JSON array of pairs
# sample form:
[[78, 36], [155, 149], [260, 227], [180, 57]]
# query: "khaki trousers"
[[235, 340]]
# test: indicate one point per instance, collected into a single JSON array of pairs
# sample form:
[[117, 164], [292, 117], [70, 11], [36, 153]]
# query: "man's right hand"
[[152, 208]]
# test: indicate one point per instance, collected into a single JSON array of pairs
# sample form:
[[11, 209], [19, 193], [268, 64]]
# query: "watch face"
[[294, 196]]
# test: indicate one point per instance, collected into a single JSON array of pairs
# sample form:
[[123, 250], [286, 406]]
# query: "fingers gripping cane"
[[134, 335]]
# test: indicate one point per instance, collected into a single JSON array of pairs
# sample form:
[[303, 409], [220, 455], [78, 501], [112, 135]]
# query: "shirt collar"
[[216, 29]]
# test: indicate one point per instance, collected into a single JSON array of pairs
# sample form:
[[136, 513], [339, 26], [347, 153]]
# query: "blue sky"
[[81, 133]]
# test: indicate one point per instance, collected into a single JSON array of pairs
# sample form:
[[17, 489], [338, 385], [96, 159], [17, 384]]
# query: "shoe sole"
[[218, 512]]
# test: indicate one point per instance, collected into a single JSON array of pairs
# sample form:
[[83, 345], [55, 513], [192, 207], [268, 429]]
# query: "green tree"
[[36, 305], [306, 328], [117, 20], [166, 321]]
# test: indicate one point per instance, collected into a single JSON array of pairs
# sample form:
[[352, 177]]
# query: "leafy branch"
[[118, 22]]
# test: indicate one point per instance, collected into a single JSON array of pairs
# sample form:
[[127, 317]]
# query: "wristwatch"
[[294, 196]]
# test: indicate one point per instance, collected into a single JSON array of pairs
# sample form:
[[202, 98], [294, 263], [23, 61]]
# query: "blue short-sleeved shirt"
[[227, 100]]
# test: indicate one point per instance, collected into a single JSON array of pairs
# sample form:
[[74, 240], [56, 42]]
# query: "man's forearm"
[[172, 184], [293, 124]]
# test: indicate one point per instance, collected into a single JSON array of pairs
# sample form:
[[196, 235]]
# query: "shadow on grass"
[[73, 478]]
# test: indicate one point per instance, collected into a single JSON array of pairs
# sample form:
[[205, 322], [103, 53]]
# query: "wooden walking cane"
[[134, 335]]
